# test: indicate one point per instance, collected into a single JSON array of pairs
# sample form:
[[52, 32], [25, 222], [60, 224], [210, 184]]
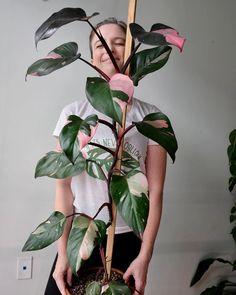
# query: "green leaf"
[[46, 233], [128, 162], [58, 19], [148, 61], [233, 210], [232, 169], [117, 288], [150, 38], [85, 234], [232, 137], [60, 57], [100, 96], [203, 266], [232, 183], [215, 290], [57, 165], [94, 170], [157, 127], [69, 134], [233, 233], [93, 288], [99, 158], [129, 193]]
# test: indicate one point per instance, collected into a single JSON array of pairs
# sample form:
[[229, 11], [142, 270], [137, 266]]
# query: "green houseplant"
[[224, 286], [127, 188]]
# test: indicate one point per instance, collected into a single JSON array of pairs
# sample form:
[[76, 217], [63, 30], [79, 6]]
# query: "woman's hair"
[[110, 20]]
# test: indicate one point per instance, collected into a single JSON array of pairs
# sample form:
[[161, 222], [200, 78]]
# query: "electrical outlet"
[[24, 268]]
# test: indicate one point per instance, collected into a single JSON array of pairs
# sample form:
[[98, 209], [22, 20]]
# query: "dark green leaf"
[[157, 127], [130, 196], [234, 265], [215, 290], [203, 266], [57, 165], [233, 210], [233, 233], [100, 96], [69, 134], [148, 61], [117, 288], [58, 19], [212, 291], [93, 288], [232, 137], [232, 169], [232, 183], [60, 57], [149, 38], [46, 233], [232, 218], [85, 234]]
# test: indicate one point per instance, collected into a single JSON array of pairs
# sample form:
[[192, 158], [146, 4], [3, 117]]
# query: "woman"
[[70, 192]]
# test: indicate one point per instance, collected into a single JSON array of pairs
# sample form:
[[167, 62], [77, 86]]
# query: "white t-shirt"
[[89, 192]]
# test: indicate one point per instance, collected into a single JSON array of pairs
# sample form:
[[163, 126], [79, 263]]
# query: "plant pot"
[[90, 275]]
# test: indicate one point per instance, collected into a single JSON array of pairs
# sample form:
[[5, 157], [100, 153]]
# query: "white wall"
[[196, 89]]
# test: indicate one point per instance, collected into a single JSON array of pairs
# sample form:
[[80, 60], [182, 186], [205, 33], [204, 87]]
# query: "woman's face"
[[115, 38]]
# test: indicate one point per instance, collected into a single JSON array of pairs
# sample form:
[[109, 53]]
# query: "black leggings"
[[126, 249]]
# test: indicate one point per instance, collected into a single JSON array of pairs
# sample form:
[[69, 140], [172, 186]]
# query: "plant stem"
[[123, 69], [108, 205], [104, 264], [111, 126], [102, 147], [95, 68], [104, 43], [125, 131]]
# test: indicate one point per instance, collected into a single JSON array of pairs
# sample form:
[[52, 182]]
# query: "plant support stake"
[[128, 47]]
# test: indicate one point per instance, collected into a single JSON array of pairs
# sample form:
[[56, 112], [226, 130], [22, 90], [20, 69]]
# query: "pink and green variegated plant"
[[109, 96]]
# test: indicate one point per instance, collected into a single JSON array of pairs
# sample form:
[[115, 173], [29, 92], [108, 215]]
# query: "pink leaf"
[[53, 55], [84, 138], [122, 83], [158, 123], [172, 37]]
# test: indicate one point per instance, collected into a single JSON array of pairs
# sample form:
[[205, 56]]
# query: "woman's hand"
[[62, 274], [138, 270]]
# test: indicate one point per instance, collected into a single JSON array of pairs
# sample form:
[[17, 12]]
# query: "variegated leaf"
[[100, 158], [148, 61], [57, 165], [46, 233], [101, 98], [77, 130], [117, 288], [94, 288], [85, 234], [157, 127], [129, 193], [60, 57]]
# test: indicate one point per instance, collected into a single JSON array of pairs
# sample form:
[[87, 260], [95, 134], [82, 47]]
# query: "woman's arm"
[[63, 203], [155, 170]]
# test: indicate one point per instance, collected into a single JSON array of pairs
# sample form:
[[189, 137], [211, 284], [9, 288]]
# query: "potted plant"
[[126, 185], [224, 286]]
